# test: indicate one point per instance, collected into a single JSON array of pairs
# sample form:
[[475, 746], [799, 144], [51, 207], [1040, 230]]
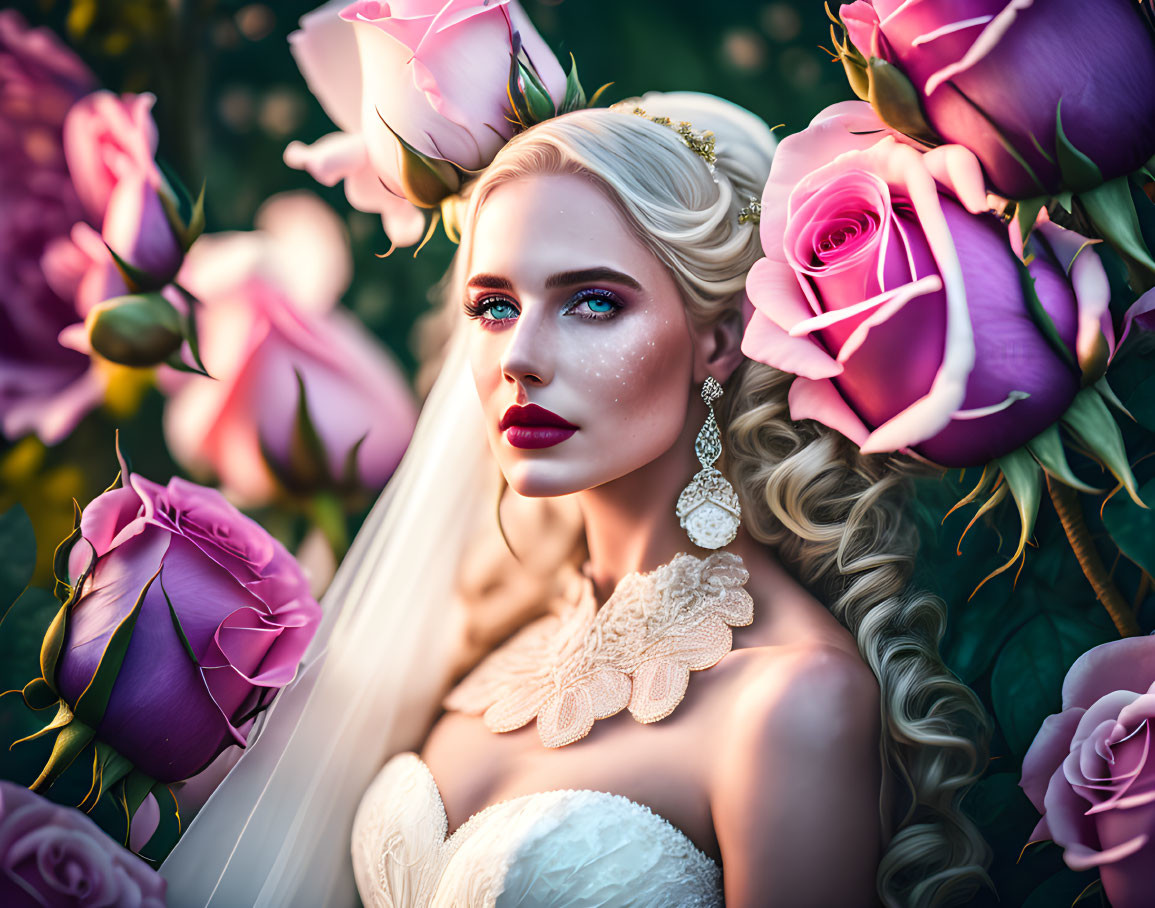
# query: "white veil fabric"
[[276, 832]]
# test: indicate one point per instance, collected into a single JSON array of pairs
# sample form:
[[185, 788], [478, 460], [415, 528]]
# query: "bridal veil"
[[275, 833]]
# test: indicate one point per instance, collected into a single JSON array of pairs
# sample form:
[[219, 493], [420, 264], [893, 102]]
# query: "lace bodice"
[[553, 849]]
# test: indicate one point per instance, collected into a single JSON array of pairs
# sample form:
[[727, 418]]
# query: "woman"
[[602, 268]]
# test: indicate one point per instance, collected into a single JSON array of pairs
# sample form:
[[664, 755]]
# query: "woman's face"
[[580, 344]]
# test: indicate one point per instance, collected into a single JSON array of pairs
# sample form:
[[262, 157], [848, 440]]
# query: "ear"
[[719, 348]]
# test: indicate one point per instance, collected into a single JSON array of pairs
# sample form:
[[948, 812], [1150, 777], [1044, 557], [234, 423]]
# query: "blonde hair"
[[835, 517]]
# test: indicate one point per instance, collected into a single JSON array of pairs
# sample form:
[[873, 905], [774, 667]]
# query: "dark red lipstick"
[[531, 426]]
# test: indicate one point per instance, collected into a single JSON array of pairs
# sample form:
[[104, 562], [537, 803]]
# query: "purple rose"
[[990, 75], [56, 857], [1091, 773], [44, 387], [897, 298], [240, 599]]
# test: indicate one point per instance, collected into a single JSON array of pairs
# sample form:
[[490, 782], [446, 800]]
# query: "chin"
[[545, 480]]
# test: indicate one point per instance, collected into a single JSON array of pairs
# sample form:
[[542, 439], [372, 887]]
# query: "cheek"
[[638, 385]]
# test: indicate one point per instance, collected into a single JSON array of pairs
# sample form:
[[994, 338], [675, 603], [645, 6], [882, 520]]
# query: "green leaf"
[[39, 694], [1066, 889], [989, 798], [1133, 528], [1026, 684], [91, 704], [978, 627], [1026, 213], [22, 631], [17, 554]]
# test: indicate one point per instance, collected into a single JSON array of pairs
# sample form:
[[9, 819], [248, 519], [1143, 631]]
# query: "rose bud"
[[135, 330], [990, 75], [184, 618]]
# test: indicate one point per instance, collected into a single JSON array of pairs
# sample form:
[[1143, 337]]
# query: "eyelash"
[[479, 309]]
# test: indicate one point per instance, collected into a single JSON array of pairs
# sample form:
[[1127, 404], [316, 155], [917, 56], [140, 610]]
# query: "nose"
[[527, 358]]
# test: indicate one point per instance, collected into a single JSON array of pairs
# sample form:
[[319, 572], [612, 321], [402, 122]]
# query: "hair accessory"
[[708, 508], [699, 142], [752, 213]]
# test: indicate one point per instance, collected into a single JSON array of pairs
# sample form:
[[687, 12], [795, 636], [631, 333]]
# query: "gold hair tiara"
[[701, 143]]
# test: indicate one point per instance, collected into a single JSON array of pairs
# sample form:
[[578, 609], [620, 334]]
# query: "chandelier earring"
[[708, 507]]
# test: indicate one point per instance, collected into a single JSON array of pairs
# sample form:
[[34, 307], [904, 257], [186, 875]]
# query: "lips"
[[531, 426]]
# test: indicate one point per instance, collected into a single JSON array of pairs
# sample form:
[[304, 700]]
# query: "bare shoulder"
[[797, 777], [803, 694]]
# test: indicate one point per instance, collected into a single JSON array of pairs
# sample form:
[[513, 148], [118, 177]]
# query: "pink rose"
[[44, 388], [241, 602], [1090, 770], [270, 310], [898, 300], [56, 857], [110, 143], [435, 73]]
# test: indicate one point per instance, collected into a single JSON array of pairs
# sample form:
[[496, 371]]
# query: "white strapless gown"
[[562, 849]]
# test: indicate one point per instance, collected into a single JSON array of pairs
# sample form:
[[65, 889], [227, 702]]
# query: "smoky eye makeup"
[[594, 304]]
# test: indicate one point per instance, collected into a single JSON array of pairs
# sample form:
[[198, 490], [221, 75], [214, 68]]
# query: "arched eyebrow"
[[562, 279]]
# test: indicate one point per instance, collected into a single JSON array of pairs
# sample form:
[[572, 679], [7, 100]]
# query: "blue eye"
[[594, 304], [491, 309]]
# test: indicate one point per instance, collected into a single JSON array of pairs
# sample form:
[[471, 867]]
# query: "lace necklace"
[[637, 651]]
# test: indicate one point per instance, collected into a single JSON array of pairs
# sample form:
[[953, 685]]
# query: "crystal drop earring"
[[708, 507]]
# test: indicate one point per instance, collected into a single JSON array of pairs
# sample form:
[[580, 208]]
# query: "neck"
[[630, 522]]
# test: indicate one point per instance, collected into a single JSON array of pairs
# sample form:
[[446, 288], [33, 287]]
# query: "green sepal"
[[327, 514], [139, 330], [191, 334], [38, 694], [1111, 210], [853, 61], [1025, 479], [425, 180], [134, 789], [897, 103], [1077, 171], [1047, 449], [519, 105], [61, 720], [1027, 213], [108, 768], [1041, 317], [1089, 420], [1108, 394], [53, 642], [575, 96], [178, 627], [136, 280], [350, 475], [450, 221], [307, 467], [185, 215], [92, 703], [536, 95], [73, 738], [62, 589], [168, 830]]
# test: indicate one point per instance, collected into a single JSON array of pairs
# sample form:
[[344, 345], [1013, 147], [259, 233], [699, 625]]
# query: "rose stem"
[[1070, 511]]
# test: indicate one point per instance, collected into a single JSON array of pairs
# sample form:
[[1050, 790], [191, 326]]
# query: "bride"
[[713, 710]]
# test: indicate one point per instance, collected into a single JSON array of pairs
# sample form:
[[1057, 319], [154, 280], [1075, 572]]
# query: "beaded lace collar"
[[637, 651]]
